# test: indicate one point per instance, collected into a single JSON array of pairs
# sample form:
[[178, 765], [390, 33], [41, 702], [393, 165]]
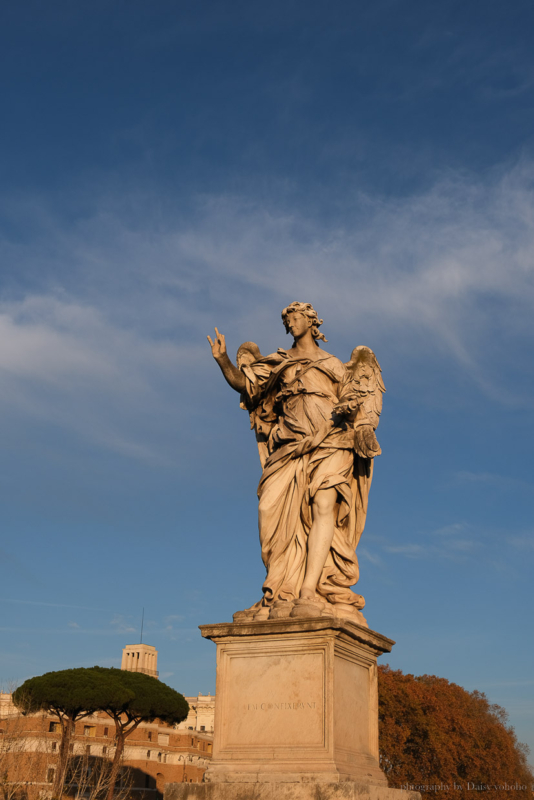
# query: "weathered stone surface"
[[226, 630], [315, 419], [284, 791], [297, 701]]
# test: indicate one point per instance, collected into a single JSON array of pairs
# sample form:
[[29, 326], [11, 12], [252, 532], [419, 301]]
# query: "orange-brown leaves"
[[435, 734]]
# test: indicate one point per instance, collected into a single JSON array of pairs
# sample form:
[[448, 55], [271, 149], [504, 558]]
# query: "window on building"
[[50, 775], [163, 738], [54, 747], [89, 730], [54, 727], [87, 749], [106, 731], [192, 742], [148, 754], [202, 727], [190, 728], [104, 750], [149, 736], [159, 756]]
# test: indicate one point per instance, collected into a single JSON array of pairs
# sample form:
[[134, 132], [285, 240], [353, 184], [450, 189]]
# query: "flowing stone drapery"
[[305, 447]]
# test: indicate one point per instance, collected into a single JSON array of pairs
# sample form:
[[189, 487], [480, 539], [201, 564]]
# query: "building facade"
[[155, 753], [201, 714]]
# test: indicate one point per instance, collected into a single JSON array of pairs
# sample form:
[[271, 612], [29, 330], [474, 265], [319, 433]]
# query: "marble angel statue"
[[315, 419]]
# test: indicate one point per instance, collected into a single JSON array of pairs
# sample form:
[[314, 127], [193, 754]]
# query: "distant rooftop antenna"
[[142, 623]]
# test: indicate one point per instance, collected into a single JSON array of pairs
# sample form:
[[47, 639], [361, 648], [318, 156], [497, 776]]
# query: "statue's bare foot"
[[281, 609], [262, 613], [308, 605], [248, 613]]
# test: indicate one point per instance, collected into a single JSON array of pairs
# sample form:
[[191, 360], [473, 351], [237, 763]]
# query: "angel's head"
[[309, 313]]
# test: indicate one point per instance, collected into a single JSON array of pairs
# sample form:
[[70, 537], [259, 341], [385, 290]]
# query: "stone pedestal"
[[296, 714], [296, 697]]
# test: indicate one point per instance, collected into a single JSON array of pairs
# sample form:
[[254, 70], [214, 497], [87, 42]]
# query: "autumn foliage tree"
[[437, 735]]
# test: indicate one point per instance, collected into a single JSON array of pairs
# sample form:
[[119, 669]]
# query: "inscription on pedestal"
[[265, 718], [278, 706]]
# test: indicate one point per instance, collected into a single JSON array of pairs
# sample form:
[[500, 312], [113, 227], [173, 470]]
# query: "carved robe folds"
[[306, 445]]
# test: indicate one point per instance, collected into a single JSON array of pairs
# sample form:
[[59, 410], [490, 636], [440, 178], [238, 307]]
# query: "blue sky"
[[167, 167]]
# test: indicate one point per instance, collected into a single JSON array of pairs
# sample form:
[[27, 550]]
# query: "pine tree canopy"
[[85, 690]]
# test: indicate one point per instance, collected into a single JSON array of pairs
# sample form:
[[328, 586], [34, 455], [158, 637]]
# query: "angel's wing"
[[367, 381], [367, 388], [247, 353]]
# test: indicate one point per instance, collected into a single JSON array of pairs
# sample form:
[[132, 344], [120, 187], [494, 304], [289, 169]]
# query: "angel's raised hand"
[[218, 347]]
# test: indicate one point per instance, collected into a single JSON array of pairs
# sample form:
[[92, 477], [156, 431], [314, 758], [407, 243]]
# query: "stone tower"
[[140, 658]]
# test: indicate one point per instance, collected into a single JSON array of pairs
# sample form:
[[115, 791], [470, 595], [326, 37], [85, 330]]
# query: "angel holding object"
[[315, 419]]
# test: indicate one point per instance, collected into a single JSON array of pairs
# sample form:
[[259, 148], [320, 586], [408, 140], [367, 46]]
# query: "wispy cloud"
[[411, 550], [101, 345], [120, 624], [62, 363], [456, 541], [461, 540], [47, 605], [373, 558], [62, 631], [491, 479], [522, 542], [171, 622], [512, 684], [453, 529]]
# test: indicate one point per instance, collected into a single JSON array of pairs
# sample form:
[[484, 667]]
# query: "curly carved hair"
[[308, 310]]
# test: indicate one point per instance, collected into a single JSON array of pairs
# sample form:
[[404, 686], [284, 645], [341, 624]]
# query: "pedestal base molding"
[[286, 790]]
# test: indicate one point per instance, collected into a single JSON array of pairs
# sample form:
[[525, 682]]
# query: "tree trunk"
[[67, 727], [116, 762]]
